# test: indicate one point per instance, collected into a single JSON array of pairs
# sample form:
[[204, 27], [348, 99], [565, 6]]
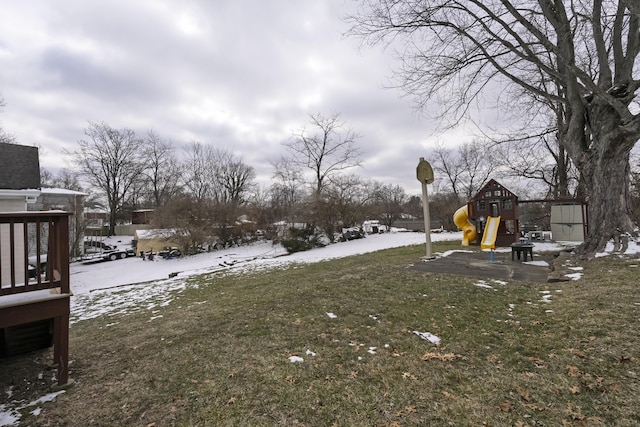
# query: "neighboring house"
[[96, 220], [19, 187], [142, 216], [154, 240], [67, 201], [141, 219], [19, 177]]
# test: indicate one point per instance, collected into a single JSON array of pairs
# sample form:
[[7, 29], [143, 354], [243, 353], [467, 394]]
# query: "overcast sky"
[[238, 74]]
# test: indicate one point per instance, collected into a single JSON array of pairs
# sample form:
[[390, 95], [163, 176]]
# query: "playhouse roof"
[[493, 185]]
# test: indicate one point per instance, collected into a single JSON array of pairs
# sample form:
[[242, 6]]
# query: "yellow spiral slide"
[[461, 220]]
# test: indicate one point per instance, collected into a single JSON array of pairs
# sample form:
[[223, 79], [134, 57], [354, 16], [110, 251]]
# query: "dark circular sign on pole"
[[424, 171]]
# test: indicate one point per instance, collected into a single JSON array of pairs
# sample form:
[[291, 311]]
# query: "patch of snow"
[[574, 276], [483, 284], [537, 263], [428, 336], [632, 249], [10, 413], [546, 298], [296, 359], [331, 315]]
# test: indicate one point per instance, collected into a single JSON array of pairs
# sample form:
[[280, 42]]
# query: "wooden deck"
[[42, 291]]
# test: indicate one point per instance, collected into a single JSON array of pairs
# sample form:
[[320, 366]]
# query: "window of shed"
[[497, 193], [482, 205], [507, 204]]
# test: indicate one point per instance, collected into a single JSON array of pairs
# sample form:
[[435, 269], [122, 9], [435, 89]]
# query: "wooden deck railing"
[[34, 276], [42, 237]]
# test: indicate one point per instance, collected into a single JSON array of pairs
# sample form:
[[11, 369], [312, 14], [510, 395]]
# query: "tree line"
[[201, 191]]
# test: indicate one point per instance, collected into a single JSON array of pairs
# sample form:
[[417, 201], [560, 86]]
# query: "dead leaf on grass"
[[536, 406], [231, 400], [523, 393], [506, 406], [408, 375], [574, 389], [577, 353], [394, 352], [492, 358], [615, 387], [442, 357], [410, 409], [539, 363], [573, 371]]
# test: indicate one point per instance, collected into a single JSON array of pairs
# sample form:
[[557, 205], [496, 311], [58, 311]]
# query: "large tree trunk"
[[609, 214], [605, 170]]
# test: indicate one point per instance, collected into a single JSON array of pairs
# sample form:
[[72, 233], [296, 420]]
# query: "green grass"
[[218, 356]]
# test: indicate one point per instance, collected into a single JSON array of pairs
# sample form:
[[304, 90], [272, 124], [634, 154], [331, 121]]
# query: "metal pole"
[[427, 219]]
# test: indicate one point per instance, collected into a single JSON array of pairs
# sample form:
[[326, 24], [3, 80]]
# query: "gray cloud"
[[239, 74]]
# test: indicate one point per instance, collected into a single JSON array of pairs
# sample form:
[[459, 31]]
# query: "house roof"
[[492, 184], [155, 233], [62, 191], [19, 167]]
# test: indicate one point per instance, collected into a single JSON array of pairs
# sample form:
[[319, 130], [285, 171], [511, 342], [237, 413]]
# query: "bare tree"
[[163, 173], [217, 174], [465, 169], [110, 160], [5, 138], [233, 179], [349, 196], [578, 55], [65, 178], [287, 190], [329, 147], [543, 160], [391, 200], [198, 174]]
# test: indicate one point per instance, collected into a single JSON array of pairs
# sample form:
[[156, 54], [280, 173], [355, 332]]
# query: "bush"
[[302, 239]]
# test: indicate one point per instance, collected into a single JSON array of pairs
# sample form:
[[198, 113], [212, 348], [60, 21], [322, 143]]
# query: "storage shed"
[[154, 240]]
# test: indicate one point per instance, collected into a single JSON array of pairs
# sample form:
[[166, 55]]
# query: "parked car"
[[170, 253], [33, 265], [98, 250], [352, 233]]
